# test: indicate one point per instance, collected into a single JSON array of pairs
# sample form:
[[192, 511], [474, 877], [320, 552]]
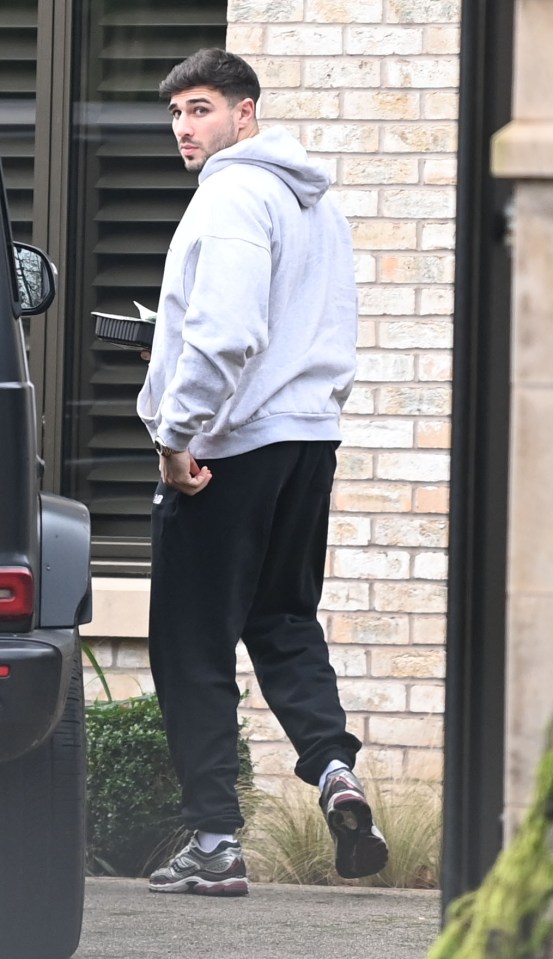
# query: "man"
[[252, 360]]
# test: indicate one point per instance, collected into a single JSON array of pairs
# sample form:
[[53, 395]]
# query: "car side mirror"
[[36, 279]]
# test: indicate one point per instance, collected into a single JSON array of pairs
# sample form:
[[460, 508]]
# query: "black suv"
[[44, 595]]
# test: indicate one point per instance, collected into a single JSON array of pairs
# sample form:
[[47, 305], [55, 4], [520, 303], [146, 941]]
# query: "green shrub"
[[133, 795]]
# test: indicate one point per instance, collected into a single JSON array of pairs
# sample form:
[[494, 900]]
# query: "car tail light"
[[16, 593], [4, 672]]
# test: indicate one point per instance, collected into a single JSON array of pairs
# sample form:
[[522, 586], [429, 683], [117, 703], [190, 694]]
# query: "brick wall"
[[370, 88]]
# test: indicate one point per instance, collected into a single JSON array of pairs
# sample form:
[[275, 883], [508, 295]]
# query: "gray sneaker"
[[218, 873], [361, 849]]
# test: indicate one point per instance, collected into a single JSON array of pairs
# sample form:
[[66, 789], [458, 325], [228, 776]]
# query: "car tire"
[[42, 839]]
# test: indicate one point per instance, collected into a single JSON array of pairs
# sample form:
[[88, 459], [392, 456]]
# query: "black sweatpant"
[[244, 558]]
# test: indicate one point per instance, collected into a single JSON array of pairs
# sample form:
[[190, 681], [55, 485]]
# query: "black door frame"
[[475, 683]]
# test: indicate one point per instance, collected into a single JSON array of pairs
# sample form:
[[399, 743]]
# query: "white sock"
[[208, 841], [333, 765]]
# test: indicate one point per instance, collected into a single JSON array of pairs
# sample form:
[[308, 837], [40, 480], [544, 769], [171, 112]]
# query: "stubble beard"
[[220, 141]]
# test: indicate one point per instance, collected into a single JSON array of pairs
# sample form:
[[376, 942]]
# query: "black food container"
[[124, 331]]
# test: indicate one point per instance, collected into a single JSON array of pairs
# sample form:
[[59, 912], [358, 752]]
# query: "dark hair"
[[225, 72]]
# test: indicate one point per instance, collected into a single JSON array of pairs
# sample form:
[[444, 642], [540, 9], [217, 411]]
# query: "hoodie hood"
[[280, 153]]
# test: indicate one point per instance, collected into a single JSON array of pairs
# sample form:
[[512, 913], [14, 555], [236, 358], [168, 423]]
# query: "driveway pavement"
[[124, 921]]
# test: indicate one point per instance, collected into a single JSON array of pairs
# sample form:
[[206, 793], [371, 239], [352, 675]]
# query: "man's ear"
[[246, 113]]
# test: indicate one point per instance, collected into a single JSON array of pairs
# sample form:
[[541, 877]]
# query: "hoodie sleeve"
[[226, 285]]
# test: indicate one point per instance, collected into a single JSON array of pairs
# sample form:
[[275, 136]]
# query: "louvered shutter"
[[129, 190], [18, 39]]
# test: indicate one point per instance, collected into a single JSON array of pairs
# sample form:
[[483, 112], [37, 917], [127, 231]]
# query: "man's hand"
[[180, 471]]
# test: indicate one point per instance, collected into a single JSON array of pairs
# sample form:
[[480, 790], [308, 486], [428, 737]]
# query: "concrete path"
[[124, 921]]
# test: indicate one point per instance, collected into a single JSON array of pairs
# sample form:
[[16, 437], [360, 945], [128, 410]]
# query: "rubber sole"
[[203, 887], [361, 849]]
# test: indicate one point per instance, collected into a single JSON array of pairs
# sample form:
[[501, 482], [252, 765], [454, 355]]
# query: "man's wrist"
[[164, 450]]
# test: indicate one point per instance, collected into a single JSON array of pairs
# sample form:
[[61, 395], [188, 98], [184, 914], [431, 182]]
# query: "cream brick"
[[438, 236], [354, 464], [122, 685], [429, 137], [365, 272], [433, 434], [435, 301], [410, 597], [374, 367], [303, 40], [383, 41], [340, 595], [430, 566], [381, 105], [414, 400], [387, 300], [366, 330], [380, 697], [382, 234], [133, 655], [356, 203], [103, 650], [417, 465], [417, 268], [434, 366], [440, 105], [440, 171], [277, 71], [341, 72], [244, 39], [261, 726], [243, 661], [380, 170], [423, 11], [422, 72], [372, 497], [442, 39], [341, 137], [410, 531], [377, 433], [273, 758], [427, 698], [264, 11], [348, 661], [408, 663], [426, 765], [370, 629], [303, 104], [429, 630], [415, 334], [423, 204], [406, 731], [344, 11], [432, 499], [371, 563], [344, 531], [361, 401], [377, 764]]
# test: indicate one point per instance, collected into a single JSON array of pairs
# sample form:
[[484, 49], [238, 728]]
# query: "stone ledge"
[[120, 608], [523, 150]]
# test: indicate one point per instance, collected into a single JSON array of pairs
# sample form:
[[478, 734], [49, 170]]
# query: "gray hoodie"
[[255, 335]]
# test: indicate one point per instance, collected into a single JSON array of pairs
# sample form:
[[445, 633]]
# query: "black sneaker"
[[361, 849], [218, 873]]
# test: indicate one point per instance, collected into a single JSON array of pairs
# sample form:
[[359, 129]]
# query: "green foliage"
[[133, 795], [509, 916]]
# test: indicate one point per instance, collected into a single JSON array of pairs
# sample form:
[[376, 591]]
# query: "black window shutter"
[[129, 189]]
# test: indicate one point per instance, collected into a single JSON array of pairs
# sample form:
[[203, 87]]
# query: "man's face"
[[204, 122]]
